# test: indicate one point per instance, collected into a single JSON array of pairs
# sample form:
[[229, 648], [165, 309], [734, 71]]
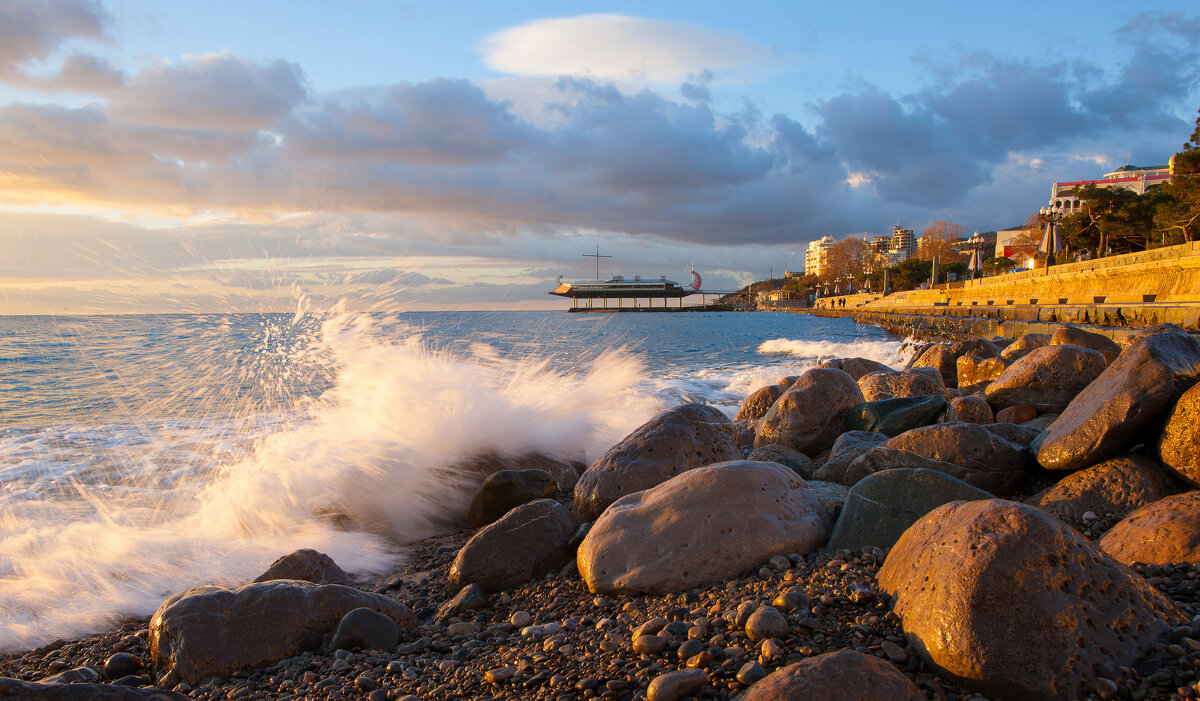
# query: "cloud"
[[33, 30], [213, 91], [618, 48]]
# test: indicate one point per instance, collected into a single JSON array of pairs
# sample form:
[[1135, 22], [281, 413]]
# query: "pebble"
[[750, 673], [521, 619], [894, 652], [675, 685], [498, 675], [766, 622], [649, 644], [791, 599], [120, 665]]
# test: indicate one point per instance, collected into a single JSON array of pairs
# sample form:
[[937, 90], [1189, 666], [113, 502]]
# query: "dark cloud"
[[33, 30]]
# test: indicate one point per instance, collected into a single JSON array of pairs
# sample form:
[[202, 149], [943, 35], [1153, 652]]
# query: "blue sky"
[[208, 156]]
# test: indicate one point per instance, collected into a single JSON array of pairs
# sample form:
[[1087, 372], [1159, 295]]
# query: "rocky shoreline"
[[919, 543]]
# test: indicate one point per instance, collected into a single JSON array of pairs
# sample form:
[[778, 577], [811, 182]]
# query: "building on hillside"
[[1129, 177], [903, 241], [817, 255], [880, 244], [1006, 240]]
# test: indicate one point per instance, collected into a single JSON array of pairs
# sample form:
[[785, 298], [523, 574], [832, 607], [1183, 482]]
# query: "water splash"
[[890, 353]]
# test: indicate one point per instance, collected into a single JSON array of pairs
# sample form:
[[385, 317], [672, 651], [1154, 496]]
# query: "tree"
[[846, 259], [1114, 220], [998, 264], [938, 240], [1178, 219]]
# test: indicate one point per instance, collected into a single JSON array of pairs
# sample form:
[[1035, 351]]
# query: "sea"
[[143, 455]]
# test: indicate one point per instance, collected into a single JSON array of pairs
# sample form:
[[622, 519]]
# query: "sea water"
[[142, 455]]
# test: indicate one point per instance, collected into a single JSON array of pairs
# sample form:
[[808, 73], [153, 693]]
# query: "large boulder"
[[677, 440], [811, 414], [943, 357], [564, 472], [985, 459], [836, 676], [1111, 488], [35, 691], [758, 403], [914, 382], [846, 449], [892, 417], [978, 372], [1047, 379], [1074, 336], [882, 506], [307, 565], [1135, 390], [1014, 602], [1022, 434], [856, 367], [971, 409], [1160, 533], [527, 542], [801, 463], [1177, 446], [882, 459], [505, 490], [212, 631], [1024, 345], [706, 525]]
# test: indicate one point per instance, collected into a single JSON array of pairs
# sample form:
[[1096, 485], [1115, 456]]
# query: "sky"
[[267, 156]]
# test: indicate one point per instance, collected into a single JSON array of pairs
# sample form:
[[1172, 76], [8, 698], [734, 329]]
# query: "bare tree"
[[938, 240], [847, 258]]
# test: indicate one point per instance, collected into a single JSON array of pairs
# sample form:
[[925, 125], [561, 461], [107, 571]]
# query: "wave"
[[894, 354]]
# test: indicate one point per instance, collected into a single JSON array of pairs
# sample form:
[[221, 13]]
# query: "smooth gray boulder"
[[213, 632], [836, 676], [1047, 379], [882, 506], [882, 458], [705, 525], [527, 542], [565, 473], [367, 629], [846, 449], [505, 490], [677, 440], [810, 415], [914, 382], [1021, 434], [856, 367], [892, 417], [985, 460], [307, 565], [1137, 388], [801, 463]]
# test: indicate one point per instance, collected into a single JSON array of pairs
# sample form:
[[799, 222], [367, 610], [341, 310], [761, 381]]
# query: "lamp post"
[[1050, 241], [976, 265]]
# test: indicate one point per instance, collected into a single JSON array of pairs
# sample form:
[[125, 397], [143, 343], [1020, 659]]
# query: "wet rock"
[[972, 409], [835, 676], [799, 462], [855, 367], [766, 622], [1024, 345], [882, 458], [1177, 446], [882, 506], [1159, 533], [469, 598], [1021, 434], [675, 685], [306, 565], [914, 382], [892, 417], [1116, 486], [831, 495], [715, 522], [505, 490], [1012, 601], [123, 664], [846, 449], [985, 460], [528, 542], [1046, 379], [810, 415], [34, 691], [1020, 414], [565, 474], [744, 432], [758, 403], [212, 631], [943, 357], [974, 372], [1074, 336], [73, 676], [365, 628], [686, 437], [1137, 388]]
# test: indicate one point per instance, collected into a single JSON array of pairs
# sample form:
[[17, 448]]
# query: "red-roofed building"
[[1129, 177]]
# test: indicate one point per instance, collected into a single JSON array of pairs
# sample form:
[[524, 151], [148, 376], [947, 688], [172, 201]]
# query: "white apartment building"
[[817, 255]]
